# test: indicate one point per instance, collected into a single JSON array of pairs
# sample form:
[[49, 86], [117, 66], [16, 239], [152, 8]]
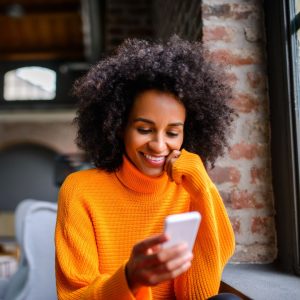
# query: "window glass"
[[297, 56], [296, 75], [30, 83]]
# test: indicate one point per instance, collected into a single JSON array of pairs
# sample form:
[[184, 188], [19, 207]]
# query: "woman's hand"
[[171, 159], [150, 264]]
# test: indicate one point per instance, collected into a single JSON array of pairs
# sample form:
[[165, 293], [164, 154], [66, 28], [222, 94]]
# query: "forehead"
[[153, 104]]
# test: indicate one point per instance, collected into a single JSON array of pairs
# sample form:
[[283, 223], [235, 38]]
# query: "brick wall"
[[233, 31]]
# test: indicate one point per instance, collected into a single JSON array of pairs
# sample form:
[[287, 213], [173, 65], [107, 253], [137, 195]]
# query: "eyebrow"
[[152, 123]]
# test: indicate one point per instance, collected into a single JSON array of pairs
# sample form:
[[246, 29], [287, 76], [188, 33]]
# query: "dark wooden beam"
[[40, 8], [52, 55]]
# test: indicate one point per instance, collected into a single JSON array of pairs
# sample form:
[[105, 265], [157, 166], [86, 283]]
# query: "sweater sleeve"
[[215, 240], [77, 259]]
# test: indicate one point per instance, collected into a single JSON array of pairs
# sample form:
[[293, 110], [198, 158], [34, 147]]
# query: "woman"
[[146, 116]]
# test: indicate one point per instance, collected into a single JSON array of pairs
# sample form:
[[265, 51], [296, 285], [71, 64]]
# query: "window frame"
[[93, 16], [64, 82], [279, 21]]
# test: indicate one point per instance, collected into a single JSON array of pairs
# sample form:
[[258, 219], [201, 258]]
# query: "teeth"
[[155, 158]]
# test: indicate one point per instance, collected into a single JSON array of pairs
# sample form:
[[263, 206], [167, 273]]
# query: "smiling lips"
[[156, 161]]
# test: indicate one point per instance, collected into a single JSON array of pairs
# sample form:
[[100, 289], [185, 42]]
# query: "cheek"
[[134, 140], [176, 144], [180, 144]]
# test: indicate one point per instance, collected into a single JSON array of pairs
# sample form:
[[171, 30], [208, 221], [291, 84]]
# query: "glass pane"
[[297, 60], [30, 83], [296, 55]]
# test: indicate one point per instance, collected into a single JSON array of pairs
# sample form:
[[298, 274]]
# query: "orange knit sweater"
[[102, 215]]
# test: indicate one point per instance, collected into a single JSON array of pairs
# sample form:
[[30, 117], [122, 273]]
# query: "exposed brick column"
[[233, 31]]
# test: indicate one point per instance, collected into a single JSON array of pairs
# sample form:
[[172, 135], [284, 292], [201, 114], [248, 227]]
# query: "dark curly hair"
[[180, 67]]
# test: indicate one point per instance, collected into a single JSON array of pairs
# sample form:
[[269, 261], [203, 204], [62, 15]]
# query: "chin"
[[153, 173], [148, 171]]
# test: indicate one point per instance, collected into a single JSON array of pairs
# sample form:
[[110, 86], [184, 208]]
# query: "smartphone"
[[182, 228]]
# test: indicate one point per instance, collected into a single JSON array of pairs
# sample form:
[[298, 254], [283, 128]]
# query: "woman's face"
[[154, 129]]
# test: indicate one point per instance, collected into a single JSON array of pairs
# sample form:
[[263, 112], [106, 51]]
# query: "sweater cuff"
[[189, 170], [118, 288]]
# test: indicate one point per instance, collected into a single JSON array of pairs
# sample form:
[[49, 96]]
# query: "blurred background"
[[46, 44]]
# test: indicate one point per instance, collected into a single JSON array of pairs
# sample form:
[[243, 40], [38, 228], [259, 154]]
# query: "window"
[[30, 83], [38, 84], [284, 93]]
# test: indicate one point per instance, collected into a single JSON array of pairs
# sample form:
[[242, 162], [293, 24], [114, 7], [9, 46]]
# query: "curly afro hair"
[[179, 67]]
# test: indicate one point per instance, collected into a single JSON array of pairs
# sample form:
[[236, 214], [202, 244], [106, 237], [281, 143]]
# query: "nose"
[[157, 144]]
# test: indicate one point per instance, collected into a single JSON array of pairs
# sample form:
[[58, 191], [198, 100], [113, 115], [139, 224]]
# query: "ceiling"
[[41, 30]]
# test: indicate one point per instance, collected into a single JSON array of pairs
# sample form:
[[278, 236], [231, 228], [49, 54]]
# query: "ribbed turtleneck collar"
[[135, 180]]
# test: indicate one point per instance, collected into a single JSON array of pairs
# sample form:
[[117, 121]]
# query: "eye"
[[144, 130], [172, 134]]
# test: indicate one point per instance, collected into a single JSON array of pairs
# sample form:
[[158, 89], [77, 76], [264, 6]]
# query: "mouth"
[[156, 161]]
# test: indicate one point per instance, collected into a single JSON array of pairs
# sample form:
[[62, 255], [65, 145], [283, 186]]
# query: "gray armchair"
[[35, 277]]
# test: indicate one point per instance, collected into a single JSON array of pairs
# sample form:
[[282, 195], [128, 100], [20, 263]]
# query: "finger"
[[164, 256], [173, 274], [150, 271], [174, 264], [171, 253], [152, 242], [170, 168], [155, 279], [173, 154], [172, 157], [154, 249]]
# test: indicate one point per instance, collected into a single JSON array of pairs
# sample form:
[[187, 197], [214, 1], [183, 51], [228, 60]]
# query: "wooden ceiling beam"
[[55, 55], [41, 30], [43, 16], [41, 8]]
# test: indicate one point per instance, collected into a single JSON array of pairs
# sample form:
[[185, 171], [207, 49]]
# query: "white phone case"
[[182, 228]]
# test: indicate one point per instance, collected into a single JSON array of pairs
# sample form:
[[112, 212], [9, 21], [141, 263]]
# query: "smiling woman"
[[180, 69], [149, 117], [154, 130]]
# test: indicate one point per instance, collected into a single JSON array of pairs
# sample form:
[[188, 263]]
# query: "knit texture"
[[102, 215]]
